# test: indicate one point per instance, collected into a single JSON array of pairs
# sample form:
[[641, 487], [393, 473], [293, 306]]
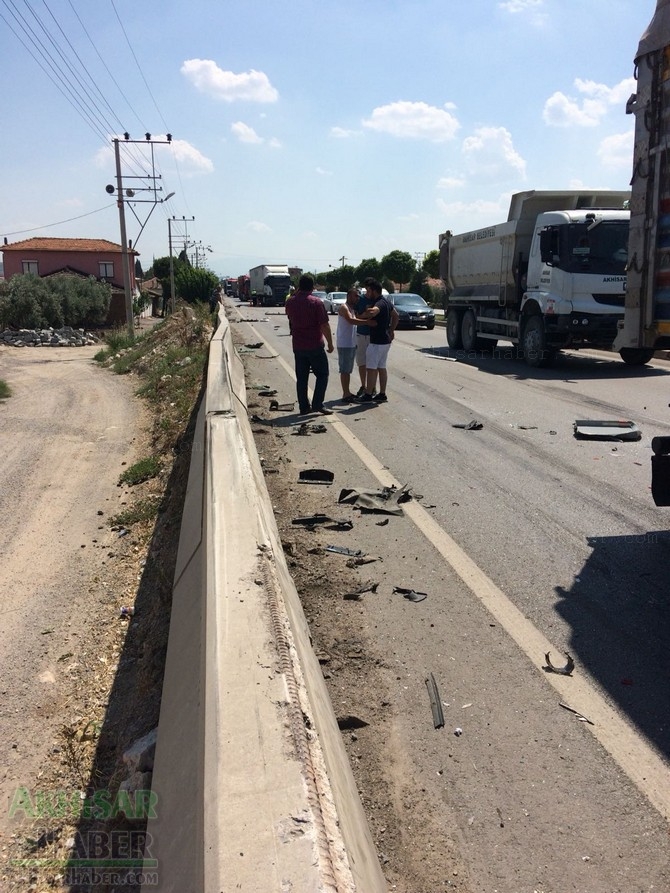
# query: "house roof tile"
[[49, 244]]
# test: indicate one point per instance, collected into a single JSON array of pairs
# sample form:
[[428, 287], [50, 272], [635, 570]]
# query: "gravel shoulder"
[[66, 435]]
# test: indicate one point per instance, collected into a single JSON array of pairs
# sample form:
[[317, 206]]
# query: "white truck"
[[552, 276], [269, 284], [646, 323]]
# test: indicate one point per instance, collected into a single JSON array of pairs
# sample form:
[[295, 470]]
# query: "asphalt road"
[[525, 540]]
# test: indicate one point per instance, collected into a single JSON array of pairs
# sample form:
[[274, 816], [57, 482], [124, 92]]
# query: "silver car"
[[327, 303], [337, 298]]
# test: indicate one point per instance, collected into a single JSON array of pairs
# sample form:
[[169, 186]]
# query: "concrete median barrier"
[[253, 786]]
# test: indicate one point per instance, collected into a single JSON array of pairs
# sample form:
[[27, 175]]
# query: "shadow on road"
[[503, 360], [619, 611]]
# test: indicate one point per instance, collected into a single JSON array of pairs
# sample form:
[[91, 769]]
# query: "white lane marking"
[[641, 762]]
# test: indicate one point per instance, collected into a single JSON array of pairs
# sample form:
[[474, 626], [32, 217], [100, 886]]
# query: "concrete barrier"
[[253, 786]]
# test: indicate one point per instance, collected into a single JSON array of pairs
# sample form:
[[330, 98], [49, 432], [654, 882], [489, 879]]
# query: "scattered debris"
[[474, 425], [311, 520], [316, 476], [525, 427], [356, 595], [266, 392], [439, 356], [458, 732], [281, 407], [361, 559], [127, 611], [435, 704], [660, 470], [254, 346], [382, 523], [579, 715], [341, 524], [345, 550], [500, 816], [563, 671], [351, 722], [410, 594], [307, 428], [594, 429], [386, 500], [260, 421]]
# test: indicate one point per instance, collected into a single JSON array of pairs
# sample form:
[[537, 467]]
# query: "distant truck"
[[230, 286], [552, 276], [243, 290], [646, 323], [269, 283]]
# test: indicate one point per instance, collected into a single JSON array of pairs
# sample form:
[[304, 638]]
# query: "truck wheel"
[[636, 356], [454, 338], [534, 343], [469, 332]]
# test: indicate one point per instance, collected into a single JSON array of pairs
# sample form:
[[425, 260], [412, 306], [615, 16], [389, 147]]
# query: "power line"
[[18, 232]]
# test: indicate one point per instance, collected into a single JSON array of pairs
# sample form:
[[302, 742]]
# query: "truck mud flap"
[[660, 470]]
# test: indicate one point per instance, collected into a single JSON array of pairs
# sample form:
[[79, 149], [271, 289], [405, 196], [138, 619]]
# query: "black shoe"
[[381, 398], [305, 410], [324, 411], [360, 391], [350, 398], [365, 398]]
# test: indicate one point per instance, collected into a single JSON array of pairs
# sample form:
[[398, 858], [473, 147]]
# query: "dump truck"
[[552, 276], [269, 283], [645, 326]]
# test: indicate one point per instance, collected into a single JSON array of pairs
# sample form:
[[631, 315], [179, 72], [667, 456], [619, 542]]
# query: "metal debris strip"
[[474, 425], [580, 716], [316, 476], [435, 703], [410, 594], [345, 550], [387, 500], [617, 429], [562, 671]]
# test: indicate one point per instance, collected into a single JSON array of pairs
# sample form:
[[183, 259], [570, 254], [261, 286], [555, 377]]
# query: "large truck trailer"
[[552, 276], [645, 326], [269, 283]]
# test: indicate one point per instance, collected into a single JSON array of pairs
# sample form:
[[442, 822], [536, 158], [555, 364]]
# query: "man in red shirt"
[[309, 327]]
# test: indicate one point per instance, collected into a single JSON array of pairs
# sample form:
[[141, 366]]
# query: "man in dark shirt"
[[309, 327], [384, 319]]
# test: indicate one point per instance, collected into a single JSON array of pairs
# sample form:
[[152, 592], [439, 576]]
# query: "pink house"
[[82, 257]]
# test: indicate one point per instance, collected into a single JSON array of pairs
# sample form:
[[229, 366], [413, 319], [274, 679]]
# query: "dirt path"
[[65, 435]]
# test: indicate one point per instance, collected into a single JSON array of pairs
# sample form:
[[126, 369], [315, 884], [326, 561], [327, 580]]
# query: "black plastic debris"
[[474, 425], [261, 421], [342, 524], [254, 346], [382, 523], [316, 476], [660, 470], [311, 520], [307, 428], [562, 671], [267, 393], [410, 594], [616, 429], [281, 407], [351, 722]]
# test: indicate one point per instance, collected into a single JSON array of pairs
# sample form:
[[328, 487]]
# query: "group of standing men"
[[365, 328]]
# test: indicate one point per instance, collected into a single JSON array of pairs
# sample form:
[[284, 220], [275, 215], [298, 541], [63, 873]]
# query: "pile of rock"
[[64, 337]]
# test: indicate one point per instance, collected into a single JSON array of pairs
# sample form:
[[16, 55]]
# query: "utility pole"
[[121, 200], [342, 259], [185, 220]]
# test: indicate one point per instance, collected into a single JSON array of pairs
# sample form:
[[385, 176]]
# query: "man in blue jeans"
[[309, 327]]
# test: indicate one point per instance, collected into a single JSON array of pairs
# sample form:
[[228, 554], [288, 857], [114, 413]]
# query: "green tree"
[[138, 269], [195, 283], [398, 266], [369, 268], [431, 264]]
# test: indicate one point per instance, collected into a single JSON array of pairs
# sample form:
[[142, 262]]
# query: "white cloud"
[[490, 153], [341, 134], [324, 173], [413, 120], [191, 160], [465, 216], [257, 227], [616, 151], [518, 6], [274, 143], [567, 111], [251, 86], [244, 133], [450, 182]]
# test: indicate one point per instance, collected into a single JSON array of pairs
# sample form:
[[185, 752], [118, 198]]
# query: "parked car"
[[337, 298], [327, 303], [413, 311]]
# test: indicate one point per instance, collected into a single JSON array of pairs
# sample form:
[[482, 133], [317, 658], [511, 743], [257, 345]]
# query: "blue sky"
[[310, 130]]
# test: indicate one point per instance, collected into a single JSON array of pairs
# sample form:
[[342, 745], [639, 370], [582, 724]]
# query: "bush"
[[29, 302]]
